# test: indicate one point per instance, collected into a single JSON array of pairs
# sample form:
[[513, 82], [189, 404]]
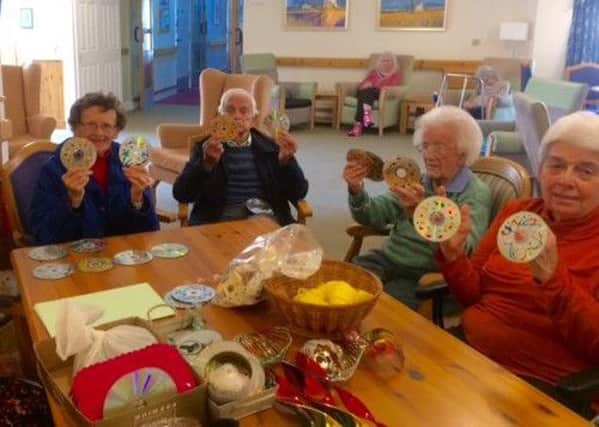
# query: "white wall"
[[467, 21], [551, 37]]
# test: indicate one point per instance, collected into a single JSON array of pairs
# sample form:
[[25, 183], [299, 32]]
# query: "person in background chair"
[[104, 201], [494, 91], [449, 140], [386, 73], [539, 319], [221, 176]]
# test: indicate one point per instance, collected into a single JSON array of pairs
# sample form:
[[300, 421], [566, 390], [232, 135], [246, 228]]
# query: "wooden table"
[[324, 108], [444, 382], [411, 108]]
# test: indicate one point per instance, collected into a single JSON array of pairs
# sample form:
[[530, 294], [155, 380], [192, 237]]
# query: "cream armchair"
[[386, 109], [169, 159], [24, 121]]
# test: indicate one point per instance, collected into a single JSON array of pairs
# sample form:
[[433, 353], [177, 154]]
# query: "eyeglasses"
[[585, 171], [103, 127], [438, 149], [244, 111]]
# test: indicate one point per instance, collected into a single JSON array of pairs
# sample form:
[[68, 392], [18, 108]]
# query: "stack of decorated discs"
[[189, 296]]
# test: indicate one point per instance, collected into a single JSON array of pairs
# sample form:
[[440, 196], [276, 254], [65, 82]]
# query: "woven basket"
[[313, 320]]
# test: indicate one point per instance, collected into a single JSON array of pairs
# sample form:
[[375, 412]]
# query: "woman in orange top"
[[540, 320]]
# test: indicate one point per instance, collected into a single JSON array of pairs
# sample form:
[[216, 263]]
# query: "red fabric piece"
[[380, 81], [92, 384], [541, 331], [100, 170]]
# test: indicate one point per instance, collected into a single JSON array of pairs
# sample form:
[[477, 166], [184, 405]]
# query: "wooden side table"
[[411, 108], [324, 108]]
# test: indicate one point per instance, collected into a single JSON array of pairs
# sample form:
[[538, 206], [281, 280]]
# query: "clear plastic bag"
[[292, 251]]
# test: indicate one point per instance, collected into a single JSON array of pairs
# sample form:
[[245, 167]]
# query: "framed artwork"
[[315, 15], [26, 18], [164, 16], [411, 15]]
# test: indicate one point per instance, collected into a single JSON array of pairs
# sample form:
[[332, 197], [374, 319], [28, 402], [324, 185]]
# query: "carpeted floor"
[[321, 155], [189, 97]]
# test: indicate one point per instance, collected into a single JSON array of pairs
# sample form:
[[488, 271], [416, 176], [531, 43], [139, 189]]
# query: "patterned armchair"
[[386, 109]]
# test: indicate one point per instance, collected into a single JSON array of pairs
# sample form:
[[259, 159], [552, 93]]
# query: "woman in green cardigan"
[[449, 140]]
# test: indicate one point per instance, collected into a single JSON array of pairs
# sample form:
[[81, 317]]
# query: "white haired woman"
[[449, 140], [539, 319], [221, 176], [493, 92], [386, 73]]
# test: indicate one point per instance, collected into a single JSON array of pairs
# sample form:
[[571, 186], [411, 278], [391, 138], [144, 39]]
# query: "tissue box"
[[244, 407], [56, 377]]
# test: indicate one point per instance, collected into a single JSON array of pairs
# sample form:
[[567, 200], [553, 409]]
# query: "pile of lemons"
[[334, 292]]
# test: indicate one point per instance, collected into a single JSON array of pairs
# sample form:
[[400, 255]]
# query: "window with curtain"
[[583, 42]]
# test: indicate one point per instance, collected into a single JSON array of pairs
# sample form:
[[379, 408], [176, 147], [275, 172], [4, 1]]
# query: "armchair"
[[19, 179], [506, 179], [24, 121], [293, 98], [587, 73], [559, 98], [386, 109]]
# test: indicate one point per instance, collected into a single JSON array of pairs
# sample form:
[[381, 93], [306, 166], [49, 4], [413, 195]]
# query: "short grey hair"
[[468, 136], [237, 91], [580, 129], [486, 71]]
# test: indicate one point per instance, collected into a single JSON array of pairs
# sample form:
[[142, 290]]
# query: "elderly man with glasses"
[[105, 200]]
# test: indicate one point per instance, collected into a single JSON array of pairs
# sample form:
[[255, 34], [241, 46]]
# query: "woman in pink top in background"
[[386, 73]]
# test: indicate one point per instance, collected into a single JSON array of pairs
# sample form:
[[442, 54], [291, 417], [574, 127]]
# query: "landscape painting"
[[316, 14], [402, 15]]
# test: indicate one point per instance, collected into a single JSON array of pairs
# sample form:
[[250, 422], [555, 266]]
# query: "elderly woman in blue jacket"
[[221, 176], [106, 200]]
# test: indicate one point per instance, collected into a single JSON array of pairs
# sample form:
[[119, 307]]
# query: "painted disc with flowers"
[[277, 121], [437, 218], [224, 128], [78, 153], [522, 237], [401, 171], [134, 151]]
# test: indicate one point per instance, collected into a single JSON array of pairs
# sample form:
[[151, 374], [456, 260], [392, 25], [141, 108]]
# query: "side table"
[[324, 108], [411, 108]]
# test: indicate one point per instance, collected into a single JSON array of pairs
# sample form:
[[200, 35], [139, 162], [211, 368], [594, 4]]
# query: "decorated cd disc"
[[401, 171], [277, 121], [53, 271], [169, 250], [131, 389], [190, 342], [368, 159], [522, 236], [78, 153], [88, 246], [224, 127], [132, 257], [95, 264], [193, 294], [47, 253], [134, 152], [437, 218]]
